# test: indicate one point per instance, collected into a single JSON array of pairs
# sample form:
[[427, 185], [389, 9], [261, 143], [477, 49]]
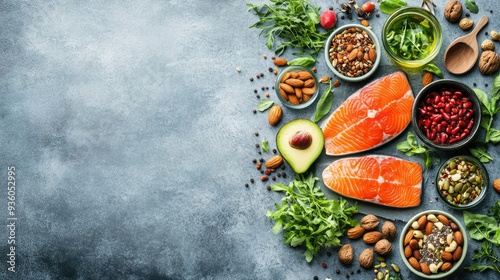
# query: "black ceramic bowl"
[[446, 115]]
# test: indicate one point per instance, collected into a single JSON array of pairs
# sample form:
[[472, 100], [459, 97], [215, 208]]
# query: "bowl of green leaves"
[[412, 37]]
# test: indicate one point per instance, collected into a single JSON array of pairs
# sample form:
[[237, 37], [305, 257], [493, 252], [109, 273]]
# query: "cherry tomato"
[[368, 7]]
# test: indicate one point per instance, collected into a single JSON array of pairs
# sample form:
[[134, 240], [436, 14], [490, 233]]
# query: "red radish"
[[328, 19], [368, 7]]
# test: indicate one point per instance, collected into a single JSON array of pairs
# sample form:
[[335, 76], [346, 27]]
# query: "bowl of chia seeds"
[[462, 182], [433, 244]]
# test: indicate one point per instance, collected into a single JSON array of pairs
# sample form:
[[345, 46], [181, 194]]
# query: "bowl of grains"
[[433, 244], [352, 52], [462, 182]]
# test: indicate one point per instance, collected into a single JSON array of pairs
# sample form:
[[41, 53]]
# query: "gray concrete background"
[[132, 135]]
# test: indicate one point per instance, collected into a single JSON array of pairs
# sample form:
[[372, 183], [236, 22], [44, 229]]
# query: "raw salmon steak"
[[384, 180], [370, 117]]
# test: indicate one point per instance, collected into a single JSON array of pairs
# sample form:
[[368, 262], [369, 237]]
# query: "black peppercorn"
[[246, 185]]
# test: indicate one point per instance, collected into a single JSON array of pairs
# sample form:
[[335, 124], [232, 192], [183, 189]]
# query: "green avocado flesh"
[[300, 159]]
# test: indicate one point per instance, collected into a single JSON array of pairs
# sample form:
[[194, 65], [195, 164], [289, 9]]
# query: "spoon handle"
[[480, 24]]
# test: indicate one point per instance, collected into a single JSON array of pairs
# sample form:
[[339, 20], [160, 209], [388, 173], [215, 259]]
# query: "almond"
[[287, 88], [414, 263], [372, 53], [459, 238], [355, 232], [298, 93], [294, 75], [446, 266], [446, 256], [294, 82], [304, 76], [408, 251], [425, 268], [285, 77], [372, 237], [309, 83], [417, 255], [309, 90], [408, 237], [457, 254], [422, 222], [427, 78], [352, 55], [349, 48], [428, 228], [275, 114], [443, 220], [280, 62], [292, 98], [496, 185], [369, 222], [274, 162], [305, 97], [414, 244], [283, 94]]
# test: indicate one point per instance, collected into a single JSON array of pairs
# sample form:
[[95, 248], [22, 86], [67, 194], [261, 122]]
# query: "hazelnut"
[[383, 247], [369, 222], [346, 254], [465, 23], [495, 36], [389, 230], [488, 62], [366, 258], [453, 11], [487, 45]]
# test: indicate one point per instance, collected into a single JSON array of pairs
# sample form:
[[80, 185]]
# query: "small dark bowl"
[[455, 144], [482, 172]]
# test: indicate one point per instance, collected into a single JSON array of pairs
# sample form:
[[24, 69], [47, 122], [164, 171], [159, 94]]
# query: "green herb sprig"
[[411, 147], [293, 21], [472, 6], [308, 218], [325, 103], [389, 6]]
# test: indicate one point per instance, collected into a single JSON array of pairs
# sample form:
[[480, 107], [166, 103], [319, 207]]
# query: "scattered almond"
[[496, 185], [355, 232], [372, 237], [324, 79], [280, 62], [336, 83], [427, 78], [274, 162], [275, 114]]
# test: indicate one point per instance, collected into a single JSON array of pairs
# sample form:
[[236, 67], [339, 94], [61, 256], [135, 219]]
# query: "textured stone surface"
[[132, 135]]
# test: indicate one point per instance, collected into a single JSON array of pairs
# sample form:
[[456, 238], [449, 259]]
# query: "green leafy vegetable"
[[431, 67], [303, 61], [411, 147], [325, 103], [308, 218], [265, 145], [479, 151], [410, 38], [485, 227], [471, 6], [293, 21], [265, 104], [389, 6]]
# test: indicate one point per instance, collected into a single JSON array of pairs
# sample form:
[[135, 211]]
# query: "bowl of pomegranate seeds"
[[446, 115]]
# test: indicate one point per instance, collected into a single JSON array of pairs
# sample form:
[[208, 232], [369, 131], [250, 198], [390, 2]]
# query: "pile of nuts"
[[352, 52], [433, 244], [460, 181], [297, 87]]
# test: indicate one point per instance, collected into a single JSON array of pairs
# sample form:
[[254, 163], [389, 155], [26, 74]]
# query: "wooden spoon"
[[462, 54]]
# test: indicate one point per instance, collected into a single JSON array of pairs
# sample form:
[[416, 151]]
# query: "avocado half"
[[300, 158]]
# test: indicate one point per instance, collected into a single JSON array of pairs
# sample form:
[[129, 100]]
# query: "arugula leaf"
[[308, 218], [481, 227], [304, 61], [494, 211], [265, 145], [389, 6], [411, 147], [471, 6], [293, 22], [325, 103], [265, 104], [480, 152], [410, 38], [431, 67]]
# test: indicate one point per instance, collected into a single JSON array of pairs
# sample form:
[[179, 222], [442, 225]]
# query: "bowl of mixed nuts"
[[446, 115], [297, 87], [433, 244], [462, 182], [352, 52]]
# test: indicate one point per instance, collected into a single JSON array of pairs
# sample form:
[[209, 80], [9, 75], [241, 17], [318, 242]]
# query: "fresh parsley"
[[411, 147], [308, 218], [265, 145], [293, 21], [325, 102]]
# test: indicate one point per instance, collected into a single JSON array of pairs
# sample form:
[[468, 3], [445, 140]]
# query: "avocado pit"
[[301, 140]]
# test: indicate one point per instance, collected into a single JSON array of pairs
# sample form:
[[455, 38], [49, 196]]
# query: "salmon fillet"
[[370, 117], [384, 180]]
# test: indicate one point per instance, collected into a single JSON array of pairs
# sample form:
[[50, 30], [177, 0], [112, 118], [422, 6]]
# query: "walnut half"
[[453, 11], [488, 62]]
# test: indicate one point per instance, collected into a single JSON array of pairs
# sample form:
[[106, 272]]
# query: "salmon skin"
[[384, 180], [372, 116]]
